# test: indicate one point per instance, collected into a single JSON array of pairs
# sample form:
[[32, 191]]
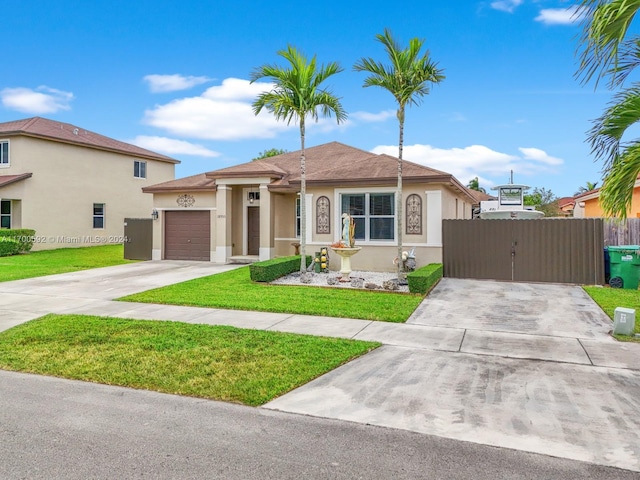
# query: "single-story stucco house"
[[251, 211], [72, 186]]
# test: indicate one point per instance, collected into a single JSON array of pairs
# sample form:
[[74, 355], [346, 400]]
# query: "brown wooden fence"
[[625, 232], [547, 250]]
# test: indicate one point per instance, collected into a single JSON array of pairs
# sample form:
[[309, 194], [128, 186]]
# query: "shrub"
[[8, 246], [269, 270], [425, 278], [20, 239]]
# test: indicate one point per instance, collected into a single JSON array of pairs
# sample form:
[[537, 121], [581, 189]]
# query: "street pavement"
[[519, 366]]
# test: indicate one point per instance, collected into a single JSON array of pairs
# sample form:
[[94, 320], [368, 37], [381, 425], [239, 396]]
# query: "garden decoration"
[[346, 248]]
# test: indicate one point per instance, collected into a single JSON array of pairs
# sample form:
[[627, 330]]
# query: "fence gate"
[[547, 250], [139, 238]]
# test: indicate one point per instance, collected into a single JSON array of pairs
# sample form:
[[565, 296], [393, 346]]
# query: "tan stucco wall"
[[57, 201]]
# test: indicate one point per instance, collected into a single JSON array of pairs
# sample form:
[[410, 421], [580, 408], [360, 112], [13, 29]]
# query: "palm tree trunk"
[[303, 209], [399, 189]]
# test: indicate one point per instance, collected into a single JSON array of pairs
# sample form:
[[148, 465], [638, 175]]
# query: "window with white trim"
[[139, 169], [5, 214], [298, 217], [4, 153], [98, 215], [372, 213]]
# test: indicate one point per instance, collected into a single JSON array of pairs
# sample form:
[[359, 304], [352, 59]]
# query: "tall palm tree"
[[611, 53], [296, 95], [408, 77]]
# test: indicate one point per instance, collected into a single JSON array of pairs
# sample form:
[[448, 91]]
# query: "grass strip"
[[61, 260], [234, 290], [611, 298], [214, 362]]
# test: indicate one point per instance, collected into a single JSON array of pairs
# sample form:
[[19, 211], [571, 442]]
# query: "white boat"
[[510, 204]]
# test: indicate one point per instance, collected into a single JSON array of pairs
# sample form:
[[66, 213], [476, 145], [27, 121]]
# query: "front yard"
[[62, 260], [214, 362], [234, 290], [610, 298]]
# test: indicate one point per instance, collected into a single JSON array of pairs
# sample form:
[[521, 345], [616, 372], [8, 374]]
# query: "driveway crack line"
[[464, 334], [585, 352]]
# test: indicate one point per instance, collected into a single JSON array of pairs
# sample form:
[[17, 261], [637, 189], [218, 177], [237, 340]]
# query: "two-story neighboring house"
[[72, 186]]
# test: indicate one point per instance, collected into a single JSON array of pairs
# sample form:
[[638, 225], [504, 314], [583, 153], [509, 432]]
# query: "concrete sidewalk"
[[522, 366]]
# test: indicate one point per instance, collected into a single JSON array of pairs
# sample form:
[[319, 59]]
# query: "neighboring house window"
[[139, 169], [414, 215], [5, 214], [297, 218], [373, 214], [323, 216], [4, 152], [98, 215]]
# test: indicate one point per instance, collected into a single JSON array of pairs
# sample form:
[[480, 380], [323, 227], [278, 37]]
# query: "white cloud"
[[506, 5], [541, 156], [223, 112], [172, 146], [560, 16], [373, 117], [173, 83], [476, 160], [39, 101]]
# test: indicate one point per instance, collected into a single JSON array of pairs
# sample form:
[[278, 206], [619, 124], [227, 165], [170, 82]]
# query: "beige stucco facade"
[[67, 180], [228, 209]]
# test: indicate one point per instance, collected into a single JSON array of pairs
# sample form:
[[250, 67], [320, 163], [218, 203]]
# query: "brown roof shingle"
[[67, 133], [332, 163], [194, 182]]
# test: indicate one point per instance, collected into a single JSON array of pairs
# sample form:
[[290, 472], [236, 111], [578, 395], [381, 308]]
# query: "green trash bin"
[[625, 266]]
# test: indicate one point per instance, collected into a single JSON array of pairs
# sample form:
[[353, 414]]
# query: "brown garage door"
[[187, 235]]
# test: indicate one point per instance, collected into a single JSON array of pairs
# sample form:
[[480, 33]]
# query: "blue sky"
[[173, 77]]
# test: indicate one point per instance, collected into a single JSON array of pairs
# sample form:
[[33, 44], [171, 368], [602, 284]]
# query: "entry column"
[[267, 215], [223, 224]]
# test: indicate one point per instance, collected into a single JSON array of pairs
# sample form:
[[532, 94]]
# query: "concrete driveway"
[[522, 366]]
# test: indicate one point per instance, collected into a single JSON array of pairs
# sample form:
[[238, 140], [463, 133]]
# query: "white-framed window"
[[98, 215], [298, 217], [5, 214], [139, 169], [4, 153], [373, 214]]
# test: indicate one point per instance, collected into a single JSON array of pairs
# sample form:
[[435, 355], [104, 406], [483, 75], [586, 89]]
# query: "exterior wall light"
[[154, 214]]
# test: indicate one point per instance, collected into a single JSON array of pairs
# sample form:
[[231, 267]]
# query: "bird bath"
[[345, 260]]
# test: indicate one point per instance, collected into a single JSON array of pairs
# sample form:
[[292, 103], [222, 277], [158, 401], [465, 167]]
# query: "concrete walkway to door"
[[522, 366]]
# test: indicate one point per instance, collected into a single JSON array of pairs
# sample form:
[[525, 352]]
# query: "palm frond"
[[617, 191], [606, 24], [608, 131]]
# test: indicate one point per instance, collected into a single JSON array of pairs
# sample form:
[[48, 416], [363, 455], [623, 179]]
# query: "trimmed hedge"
[[425, 278], [270, 270], [16, 241]]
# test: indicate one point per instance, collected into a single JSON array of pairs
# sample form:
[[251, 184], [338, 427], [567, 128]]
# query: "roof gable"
[[67, 133]]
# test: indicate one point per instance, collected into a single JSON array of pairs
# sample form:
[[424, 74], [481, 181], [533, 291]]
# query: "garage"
[[187, 235]]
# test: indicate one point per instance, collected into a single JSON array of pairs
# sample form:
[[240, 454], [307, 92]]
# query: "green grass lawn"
[[62, 260], [214, 362], [610, 298], [234, 290]]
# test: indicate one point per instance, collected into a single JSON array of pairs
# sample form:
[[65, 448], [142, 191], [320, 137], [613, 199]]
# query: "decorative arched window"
[[414, 215], [323, 215]]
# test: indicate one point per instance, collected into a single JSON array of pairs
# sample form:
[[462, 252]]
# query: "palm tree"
[[609, 52], [474, 184], [296, 95], [407, 78], [586, 188]]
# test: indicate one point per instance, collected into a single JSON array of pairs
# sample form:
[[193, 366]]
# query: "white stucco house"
[[252, 210]]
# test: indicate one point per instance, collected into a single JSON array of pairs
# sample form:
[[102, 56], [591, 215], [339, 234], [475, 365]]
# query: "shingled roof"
[[332, 163], [66, 133]]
